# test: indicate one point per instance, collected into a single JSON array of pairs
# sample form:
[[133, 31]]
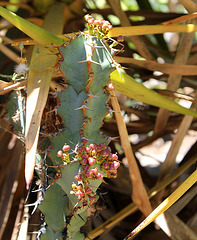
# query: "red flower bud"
[[84, 155], [114, 156], [85, 168], [93, 171], [106, 165], [83, 140], [99, 176], [92, 199], [66, 148], [110, 87], [103, 145], [79, 193], [91, 160], [93, 146], [59, 153], [116, 164], [88, 190], [83, 161], [88, 149], [78, 177], [80, 149]]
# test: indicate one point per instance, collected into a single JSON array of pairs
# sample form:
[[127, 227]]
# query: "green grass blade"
[[40, 35], [129, 87]]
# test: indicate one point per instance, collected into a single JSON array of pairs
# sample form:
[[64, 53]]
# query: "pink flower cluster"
[[97, 27], [96, 161]]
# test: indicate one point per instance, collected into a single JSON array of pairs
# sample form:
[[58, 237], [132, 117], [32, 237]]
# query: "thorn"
[[36, 204], [110, 111], [81, 217], [112, 138], [56, 54], [38, 190], [83, 107], [89, 140], [68, 36], [94, 46], [53, 67], [89, 61], [92, 96]]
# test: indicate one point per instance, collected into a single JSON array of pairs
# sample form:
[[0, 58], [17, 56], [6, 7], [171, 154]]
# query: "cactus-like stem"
[[81, 152]]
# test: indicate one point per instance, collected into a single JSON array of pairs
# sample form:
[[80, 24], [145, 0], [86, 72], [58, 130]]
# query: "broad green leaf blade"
[[38, 34], [129, 87]]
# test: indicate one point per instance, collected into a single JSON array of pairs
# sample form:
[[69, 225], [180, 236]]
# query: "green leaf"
[[38, 34], [130, 88]]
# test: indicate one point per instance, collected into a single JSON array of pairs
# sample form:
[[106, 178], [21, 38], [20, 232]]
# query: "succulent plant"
[[80, 152]]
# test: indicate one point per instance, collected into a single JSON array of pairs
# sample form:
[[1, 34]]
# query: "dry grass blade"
[[139, 194], [24, 225], [162, 118], [6, 87], [170, 159], [189, 5], [166, 68], [181, 19], [172, 94], [15, 159], [38, 87], [151, 29], [9, 53], [131, 208], [115, 5], [169, 201], [174, 80], [176, 228]]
